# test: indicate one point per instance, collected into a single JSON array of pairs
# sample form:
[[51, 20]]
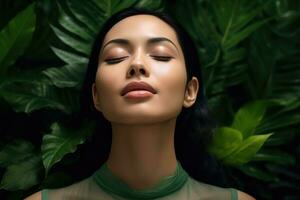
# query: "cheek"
[[106, 83], [172, 80]]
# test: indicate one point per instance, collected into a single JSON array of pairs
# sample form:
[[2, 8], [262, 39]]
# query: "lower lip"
[[138, 94]]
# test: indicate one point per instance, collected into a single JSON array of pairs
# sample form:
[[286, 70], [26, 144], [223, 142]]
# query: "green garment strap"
[[44, 194], [234, 195], [113, 185]]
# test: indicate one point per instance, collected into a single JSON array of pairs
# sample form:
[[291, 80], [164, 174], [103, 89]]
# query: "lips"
[[134, 86]]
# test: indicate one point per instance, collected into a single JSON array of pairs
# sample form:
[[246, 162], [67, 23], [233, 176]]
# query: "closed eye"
[[162, 58], [115, 60]]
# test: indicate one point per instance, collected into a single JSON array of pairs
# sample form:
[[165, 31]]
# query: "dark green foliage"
[[250, 53]]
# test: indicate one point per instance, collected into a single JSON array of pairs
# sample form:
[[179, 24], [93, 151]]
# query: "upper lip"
[[137, 86]]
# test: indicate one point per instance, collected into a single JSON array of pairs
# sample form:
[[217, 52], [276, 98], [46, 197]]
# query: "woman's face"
[[140, 48]]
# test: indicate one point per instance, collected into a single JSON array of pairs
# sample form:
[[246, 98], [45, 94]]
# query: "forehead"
[[141, 27]]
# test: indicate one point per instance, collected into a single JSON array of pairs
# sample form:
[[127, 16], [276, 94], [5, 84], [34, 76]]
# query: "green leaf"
[[23, 175], [15, 152], [257, 173], [282, 117], [249, 116], [61, 141], [67, 76], [77, 44], [23, 165], [245, 17], [230, 57], [275, 156], [30, 95], [91, 14], [246, 150], [280, 138], [286, 172], [68, 57], [15, 37], [225, 141], [240, 36], [69, 24], [150, 4], [84, 22]]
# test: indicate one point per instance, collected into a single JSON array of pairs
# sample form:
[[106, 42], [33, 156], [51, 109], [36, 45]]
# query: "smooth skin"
[[142, 150]]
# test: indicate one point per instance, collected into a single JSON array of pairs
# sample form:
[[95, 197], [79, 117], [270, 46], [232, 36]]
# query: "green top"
[[104, 185], [113, 185]]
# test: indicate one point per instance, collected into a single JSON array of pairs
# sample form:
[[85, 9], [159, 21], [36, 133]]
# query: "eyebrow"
[[149, 41]]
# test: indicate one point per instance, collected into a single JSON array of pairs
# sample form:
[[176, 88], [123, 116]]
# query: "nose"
[[137, 68]]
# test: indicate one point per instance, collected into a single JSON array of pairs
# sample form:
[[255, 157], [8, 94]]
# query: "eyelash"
[[117, 60], [162, 58]]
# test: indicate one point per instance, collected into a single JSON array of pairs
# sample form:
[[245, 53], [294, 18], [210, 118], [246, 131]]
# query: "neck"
[[142, 154]]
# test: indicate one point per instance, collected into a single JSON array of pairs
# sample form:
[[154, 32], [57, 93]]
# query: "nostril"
[[131, 72], [142, 71]]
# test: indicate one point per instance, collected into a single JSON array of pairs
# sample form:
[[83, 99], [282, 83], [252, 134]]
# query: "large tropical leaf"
[[67, 76], [15, 152], [27, 95], [15, 37], [227, 24], [229, 146], [275, 156], [258, 173], [23, 175], [249, 117], [61, 141], [23, 166], [247, 150], [225, 141], [79, 27], [285, 114]]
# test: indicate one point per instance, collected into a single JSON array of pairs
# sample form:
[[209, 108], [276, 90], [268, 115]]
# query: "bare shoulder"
[[244, 196], [35, 196]]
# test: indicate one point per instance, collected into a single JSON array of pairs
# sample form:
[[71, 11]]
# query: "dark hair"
[[193, 126]]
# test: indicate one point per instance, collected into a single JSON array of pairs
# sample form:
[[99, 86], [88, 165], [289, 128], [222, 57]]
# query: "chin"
[[142, 118]]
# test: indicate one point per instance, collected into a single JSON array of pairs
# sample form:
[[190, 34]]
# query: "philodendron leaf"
[[15, 152], [246, 150], [225, 141], [15, 37], [248, 117], [67, 76], [23, 175], [61, 141]]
